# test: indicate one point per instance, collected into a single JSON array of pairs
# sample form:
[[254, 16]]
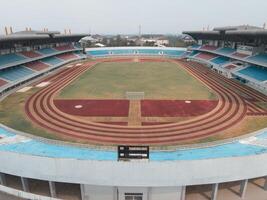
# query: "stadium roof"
[[232, 33], [37, 38]]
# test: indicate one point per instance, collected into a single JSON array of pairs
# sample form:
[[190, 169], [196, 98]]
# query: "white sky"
[[124, 16]]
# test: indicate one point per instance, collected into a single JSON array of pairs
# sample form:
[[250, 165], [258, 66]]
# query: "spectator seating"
[[51, 60], [66, 56], [196, 46], [206, 56], [209, 47], [173, 52], [193, 53], [30, 54], [255, 72], [77, 46], [15, 73], [79, 54], [240, 55], [230, 67], [47, 51], [2, 82], [99, 53], [37, 65], [10, 58], [64, 48], [226, 50], [220, 60], [259, 58]]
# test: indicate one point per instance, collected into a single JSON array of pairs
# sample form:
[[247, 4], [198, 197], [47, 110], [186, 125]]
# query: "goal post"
[[135, 95]]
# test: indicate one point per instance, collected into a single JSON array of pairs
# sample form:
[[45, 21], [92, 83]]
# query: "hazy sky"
[[124, 16]]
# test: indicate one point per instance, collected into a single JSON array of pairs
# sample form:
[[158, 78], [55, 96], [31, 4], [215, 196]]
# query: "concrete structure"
[[164, 176]]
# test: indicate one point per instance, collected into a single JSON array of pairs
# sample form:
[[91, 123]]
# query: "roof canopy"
[[236, 34], [29, 38]]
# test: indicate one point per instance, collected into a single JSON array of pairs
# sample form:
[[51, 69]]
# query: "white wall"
[[90, 192], [123, 190], [168, 193], [143, 174]]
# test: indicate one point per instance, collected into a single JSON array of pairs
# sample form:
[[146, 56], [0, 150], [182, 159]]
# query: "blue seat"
[[226, 50], [10, 58], [52, 60], [255, 72], [220, 60], [15, 73], [173, 52], [47, 51], [259, 58], [193, 53], [98, 53], [148, 51], [196, 46]]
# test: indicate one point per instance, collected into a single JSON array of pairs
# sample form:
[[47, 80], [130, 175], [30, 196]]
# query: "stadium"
[[134, 123]]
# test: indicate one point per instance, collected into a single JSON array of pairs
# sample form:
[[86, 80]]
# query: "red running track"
[[230, 110], [114, 108], [176, 108]]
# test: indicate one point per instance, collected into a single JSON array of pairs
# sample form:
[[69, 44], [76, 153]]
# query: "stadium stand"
[[51, 60], [77, 46], [255, 72], [259, 58], [2, 82], [37, 65], [99, 53], [226, 50], [240, 55], [64, 48], [209, 47], [30, 54], [10, 58], [206, 56], [173, 53], [196, 46], [220, 60], [66, 56], [79, 54], [230, 67], [193, 53], [47, 51], [15, 73]]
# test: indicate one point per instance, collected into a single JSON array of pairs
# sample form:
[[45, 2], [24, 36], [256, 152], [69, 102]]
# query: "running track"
[[230, 110]]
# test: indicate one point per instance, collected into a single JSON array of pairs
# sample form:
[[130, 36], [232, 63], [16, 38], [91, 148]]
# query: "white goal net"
[[135, 95]]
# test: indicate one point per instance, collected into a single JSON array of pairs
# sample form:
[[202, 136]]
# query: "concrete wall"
[[143, 174], [170, 193], [24, 195], [90, 192]]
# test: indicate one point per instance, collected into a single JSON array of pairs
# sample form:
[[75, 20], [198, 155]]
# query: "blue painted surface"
[[38, 148], [10, 58], [193, 53], [255, 72], [259, 58], [15, 73], [226, 50], [52, 60], [196, 46], [135, 51], [220, 60], [47, 51]]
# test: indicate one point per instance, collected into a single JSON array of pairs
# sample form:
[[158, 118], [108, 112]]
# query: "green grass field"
[[12, 114], [159, 80]]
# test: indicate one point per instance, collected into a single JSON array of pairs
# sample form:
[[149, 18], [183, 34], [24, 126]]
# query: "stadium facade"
[[93, 174]]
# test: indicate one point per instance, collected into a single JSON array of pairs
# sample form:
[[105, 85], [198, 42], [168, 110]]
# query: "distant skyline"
[[124, 16]]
